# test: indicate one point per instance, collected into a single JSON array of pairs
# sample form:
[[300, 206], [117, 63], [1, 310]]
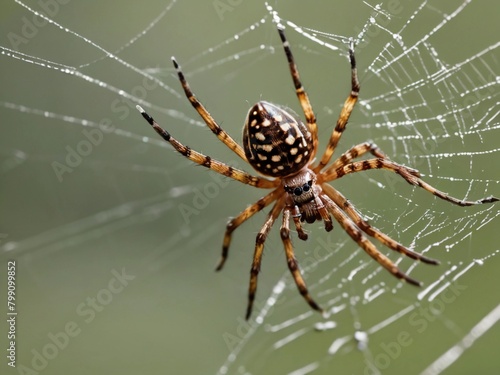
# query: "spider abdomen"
[[276, 143]]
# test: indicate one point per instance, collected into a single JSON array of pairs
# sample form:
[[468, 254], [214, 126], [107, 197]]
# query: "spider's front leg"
[[292, 262], [345, 113], [209, 120], [259, 249], [207, 161], [298, 225], [300, 91], [246, 214]]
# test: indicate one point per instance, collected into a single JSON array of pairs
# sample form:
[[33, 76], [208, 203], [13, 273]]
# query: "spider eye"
[[297, 191], [307, 186]]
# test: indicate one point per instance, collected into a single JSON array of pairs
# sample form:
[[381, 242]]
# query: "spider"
[[278, 144]]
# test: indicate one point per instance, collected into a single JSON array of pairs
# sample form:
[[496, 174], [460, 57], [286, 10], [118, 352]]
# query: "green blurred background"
[[119, 210]]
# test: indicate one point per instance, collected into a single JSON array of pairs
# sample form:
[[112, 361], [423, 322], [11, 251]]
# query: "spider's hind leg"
[[357, 235], [347, 207], [205, 115]]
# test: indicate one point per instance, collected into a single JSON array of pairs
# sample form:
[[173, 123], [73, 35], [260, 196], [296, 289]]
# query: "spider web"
[[88, 190]]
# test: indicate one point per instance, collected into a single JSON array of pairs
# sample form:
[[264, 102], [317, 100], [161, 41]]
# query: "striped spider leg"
[[355, 225], [279, 145], [342, 209], [301, 92], [207, 161]]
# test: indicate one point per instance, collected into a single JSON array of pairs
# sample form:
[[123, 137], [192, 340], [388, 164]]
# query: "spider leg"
[[209, 120], [259, 249], [323, 211], [207, 161], [409, 174], [292, 262], [357, 235], [345, 113], [298, 225], [356, 152], [347, 207], [297, 216], [246, 214], [332, 173], [300, 91]]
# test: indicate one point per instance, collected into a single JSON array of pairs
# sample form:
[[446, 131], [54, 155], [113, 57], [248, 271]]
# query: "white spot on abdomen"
[[260, 136]]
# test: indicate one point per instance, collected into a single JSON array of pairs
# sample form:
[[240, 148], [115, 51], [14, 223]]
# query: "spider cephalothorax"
[[279, 145], [304, 198]]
